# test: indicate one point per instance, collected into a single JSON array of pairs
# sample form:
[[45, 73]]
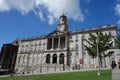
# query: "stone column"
[[51, 59], [59, 43], [66, 41], [52, 43], [65, 61], [58, 59]]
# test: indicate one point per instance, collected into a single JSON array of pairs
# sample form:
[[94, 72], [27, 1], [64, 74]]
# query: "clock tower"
[[62, 25]]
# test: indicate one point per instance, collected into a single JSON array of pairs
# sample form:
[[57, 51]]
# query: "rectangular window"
[[70, 37], [62, 42], [49, 43], [84, 58], [55, 43], [77, 46]]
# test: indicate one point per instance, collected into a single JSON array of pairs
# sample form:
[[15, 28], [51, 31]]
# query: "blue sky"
[[27, 18]]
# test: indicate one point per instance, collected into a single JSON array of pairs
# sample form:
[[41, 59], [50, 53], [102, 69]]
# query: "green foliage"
[[98, 38], [87, 75], [117, 41]]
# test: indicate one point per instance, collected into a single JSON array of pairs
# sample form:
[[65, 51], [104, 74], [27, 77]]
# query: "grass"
[[87, 75]]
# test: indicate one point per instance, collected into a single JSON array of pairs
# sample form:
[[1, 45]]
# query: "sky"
[[28, 18]]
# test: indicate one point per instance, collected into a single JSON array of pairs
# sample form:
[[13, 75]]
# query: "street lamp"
[[98, 56]]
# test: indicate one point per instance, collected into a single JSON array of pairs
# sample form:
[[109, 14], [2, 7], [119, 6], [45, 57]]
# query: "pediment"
[[56, 33]]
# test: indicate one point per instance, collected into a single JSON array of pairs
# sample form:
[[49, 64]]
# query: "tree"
[[103, 44], [117, 41], [91, 50]]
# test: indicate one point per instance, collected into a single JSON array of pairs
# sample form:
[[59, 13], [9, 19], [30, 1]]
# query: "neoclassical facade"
[[60, 50]]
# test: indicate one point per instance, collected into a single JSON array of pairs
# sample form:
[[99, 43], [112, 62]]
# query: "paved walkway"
[[116, 74]]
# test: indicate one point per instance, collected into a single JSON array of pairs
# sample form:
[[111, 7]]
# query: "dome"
[[63, 16]]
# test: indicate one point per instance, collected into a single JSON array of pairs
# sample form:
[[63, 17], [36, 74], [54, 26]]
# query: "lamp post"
[[98, 56]]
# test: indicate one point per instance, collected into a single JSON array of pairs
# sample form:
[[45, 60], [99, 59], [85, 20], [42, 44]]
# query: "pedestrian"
[[119, 64], [113, 65], [12, 74]]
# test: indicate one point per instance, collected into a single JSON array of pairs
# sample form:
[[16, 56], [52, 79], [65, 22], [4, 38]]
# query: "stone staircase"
[[43, 68]]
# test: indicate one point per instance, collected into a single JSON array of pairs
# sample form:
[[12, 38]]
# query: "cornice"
[[82, 31]]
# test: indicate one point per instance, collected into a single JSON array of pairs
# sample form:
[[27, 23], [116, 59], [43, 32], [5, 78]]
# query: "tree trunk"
[[100, 58], [93, 63]]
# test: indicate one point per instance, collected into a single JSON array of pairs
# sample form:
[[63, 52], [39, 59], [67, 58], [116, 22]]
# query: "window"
[[109, 33], [48, 58], [77, 46], [84, 58], [55, 43], [91, 60], [83, 37], [54, 58], [19, 58], [61, 59], [77, 54], [70, 37], [76, 36], [62, 42], [49, 43]]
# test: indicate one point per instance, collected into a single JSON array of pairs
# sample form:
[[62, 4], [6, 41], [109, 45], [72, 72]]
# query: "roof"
[[105, 27]]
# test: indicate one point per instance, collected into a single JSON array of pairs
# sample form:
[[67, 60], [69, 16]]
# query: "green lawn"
[[88, 75]]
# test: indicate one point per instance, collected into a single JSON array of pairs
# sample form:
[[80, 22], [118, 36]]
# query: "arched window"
[[54, 58], [61, 59], [48, 58]]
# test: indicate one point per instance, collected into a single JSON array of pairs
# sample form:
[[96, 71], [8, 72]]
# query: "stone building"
[[8, 58], [59, 50]]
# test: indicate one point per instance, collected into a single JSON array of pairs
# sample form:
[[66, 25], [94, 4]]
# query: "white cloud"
[[51, 19], [117, 10], [40, 15], [22, 5], [4, 6], [56, 7], [51, 9]]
